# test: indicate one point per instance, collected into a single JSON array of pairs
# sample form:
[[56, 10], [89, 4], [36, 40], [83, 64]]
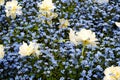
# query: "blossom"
[[101, 1], [112, 73], [86, 37], [63, 23], [47, 5], [12, 8], [46, 8], [1, 51], [117, 24], [35, 47], [72, 37], [26, 50], [2, 2], [46, 11]]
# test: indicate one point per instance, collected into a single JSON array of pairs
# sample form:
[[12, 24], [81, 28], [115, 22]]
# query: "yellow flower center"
[[28, 49], [14, 8], [46, 8], [86, 42]]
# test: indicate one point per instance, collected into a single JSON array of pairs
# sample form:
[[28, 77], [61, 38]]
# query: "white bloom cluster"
[[2, 2], [47, 5], [112, 73], [1, 51], [32, 48], [12, 8], [85, 36], [46, 9]]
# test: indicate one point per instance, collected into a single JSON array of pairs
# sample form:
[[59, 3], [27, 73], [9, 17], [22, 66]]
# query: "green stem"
[[83, 50]]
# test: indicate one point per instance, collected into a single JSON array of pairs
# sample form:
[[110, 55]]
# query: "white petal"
[[117, 24]]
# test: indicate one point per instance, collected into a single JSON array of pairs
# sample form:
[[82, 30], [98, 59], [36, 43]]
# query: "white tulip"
[[13, 9]]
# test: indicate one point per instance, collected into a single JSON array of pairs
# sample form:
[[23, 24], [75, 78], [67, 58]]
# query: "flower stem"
[[83, 50]]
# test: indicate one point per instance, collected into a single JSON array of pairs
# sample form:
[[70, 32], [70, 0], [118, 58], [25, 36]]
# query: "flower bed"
[[59, 40]]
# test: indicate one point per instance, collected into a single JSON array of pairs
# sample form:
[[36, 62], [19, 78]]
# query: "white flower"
[[26, 50], [63, 23], [101, 1], [13, 9], [1, 51], [112, 73], [2, 2], [35, 47], [47, 5], [86, 37], [72, 37], [117, 24], [46, 10]]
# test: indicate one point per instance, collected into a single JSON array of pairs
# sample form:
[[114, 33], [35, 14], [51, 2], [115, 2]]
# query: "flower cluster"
[[83, 22], [112, 73], [32, 48], [12, 8], [85, 36], [47, 5], [46, 9]]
